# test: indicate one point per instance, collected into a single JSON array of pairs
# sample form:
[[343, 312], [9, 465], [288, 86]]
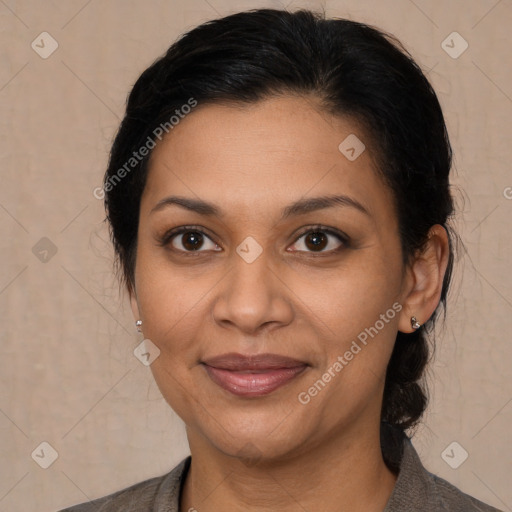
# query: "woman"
[[279, 200]]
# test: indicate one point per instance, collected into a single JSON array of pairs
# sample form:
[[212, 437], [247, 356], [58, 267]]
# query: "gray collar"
[[415, 489]]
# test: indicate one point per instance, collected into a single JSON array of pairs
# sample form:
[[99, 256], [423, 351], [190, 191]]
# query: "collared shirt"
[[416, 489]]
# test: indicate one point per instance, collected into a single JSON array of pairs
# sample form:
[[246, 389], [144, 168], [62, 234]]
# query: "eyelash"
[[165, 240]]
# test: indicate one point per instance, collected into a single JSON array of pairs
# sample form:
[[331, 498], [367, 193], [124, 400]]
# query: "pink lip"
[[252, 375]]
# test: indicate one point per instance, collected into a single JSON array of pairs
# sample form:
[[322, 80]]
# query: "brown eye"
[[318, 239], [189, 240], [192, 240]]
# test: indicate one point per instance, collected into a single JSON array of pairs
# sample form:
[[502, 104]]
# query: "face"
[[275, 314]]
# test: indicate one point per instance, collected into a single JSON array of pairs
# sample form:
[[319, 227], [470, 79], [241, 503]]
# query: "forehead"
[[264, 155]]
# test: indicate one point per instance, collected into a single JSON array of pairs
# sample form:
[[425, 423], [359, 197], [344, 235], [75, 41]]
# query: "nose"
[[253, 296]]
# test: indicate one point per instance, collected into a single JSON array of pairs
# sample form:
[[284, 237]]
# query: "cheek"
[[165, 290], [352, 297], [170, 307], [168, 304]]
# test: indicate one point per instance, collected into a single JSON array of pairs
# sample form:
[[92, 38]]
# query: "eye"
[[189, 239], [316, 239], [192, 239]]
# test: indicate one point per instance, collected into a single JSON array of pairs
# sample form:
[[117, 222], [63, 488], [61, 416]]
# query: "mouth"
[[252, 376]]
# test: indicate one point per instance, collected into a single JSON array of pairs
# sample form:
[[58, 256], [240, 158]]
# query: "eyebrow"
[[299, 207]]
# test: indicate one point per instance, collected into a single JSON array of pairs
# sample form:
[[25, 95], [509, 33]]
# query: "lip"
[[252, 375]]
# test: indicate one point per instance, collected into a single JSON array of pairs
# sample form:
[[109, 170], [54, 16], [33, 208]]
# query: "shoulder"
[[145, 496], [138, 497], [418, 489], [453, 499]]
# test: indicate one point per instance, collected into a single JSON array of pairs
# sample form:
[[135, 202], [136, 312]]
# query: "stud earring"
[[414, 323], [138, 324]]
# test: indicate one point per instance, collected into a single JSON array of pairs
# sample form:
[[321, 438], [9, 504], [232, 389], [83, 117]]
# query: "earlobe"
[[426, 276]]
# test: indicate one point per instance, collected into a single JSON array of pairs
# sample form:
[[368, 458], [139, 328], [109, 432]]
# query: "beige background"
[[68, 374]]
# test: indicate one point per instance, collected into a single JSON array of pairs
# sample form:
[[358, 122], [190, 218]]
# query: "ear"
[[424, 282], [133, 303]]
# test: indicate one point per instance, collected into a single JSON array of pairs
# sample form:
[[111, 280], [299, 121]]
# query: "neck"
[[345, 473]]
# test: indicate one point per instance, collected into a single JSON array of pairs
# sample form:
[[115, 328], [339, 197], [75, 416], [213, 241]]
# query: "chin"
[[255, 436]]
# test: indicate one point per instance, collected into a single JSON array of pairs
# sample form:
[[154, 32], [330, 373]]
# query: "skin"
[[273, 452]]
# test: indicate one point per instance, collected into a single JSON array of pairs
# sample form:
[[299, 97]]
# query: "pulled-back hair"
[[355, 71]]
